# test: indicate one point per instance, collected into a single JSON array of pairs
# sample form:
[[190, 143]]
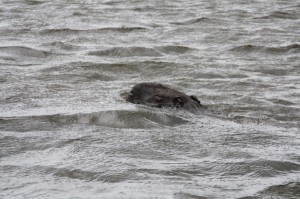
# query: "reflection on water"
[[66, 130]]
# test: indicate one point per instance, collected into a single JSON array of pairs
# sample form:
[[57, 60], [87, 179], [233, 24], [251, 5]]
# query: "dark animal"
[[158, 95]]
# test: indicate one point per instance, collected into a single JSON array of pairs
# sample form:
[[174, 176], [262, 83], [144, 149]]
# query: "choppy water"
[[67, 132]]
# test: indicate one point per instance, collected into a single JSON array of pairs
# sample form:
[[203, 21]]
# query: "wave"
[[174, 49], [23, 51], [62, 46], [113, 119], [280, 15], [286, 190], [33, 2], [108, 176], [69, 31], [193, 21], [127, 52], [293, 48], [91, 71]]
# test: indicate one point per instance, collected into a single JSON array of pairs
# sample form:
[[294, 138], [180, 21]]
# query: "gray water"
[[67, 132]]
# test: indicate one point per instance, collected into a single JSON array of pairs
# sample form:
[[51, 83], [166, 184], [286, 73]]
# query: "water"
[[67, 132]]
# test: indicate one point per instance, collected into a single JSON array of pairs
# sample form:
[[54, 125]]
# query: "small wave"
[[113, 119], [281, 102], [33, 2], [23, 51], [280, 15], [183, 195], [192, 21], [287, 190], [79, 174], [91, 71], [63, 31], [69, 31], [123, 29], [258, 168], [62, 46], [175, 49], [127, 52], [293, 48]]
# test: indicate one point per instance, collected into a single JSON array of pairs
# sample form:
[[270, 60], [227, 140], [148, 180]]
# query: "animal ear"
[[196, 99], [178, 102]]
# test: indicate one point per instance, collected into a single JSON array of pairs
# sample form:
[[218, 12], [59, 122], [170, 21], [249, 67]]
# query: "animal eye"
[[178, 102]]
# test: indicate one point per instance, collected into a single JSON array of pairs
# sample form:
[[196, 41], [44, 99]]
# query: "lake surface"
[[67, 132]]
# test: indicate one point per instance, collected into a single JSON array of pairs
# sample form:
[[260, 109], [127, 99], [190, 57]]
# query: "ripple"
[[258, 168], [193, 21], [78, 174], [62, 46], [33, 2], [69, 31], [175, 49], [23, 51], [280, 15], [126, 52], [282, 102], [287, 190], [293, 48]]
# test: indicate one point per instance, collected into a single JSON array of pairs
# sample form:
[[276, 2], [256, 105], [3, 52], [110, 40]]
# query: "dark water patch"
[[289, 190], [33, 2], [280, 15], [74, 72], [88, 72], [272, 31], [114, 177], [91, 71], [237, 75], [274, 72], [290, 49], [68, 31], [175, 49], [8, 32], [111, 3], [123, 29], [194, 21], [24, 52], [79, 14], [126, 52], [62, 46], [182, 195], [113, 119], [207, 76], [63, 31], [281, 102], [106, 176], [259, 168], [187, 172], [70, 173], [126, 69], [214, 75]]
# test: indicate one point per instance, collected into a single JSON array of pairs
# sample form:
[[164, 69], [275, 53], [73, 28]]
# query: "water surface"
[[67, 132]]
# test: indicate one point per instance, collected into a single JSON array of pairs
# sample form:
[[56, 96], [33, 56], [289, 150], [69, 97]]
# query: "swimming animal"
[[159, 95]]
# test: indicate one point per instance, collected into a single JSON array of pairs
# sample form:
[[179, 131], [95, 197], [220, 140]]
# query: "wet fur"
[[158, 95]]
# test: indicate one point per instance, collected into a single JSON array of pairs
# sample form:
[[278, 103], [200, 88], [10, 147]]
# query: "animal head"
[[158, 95]]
